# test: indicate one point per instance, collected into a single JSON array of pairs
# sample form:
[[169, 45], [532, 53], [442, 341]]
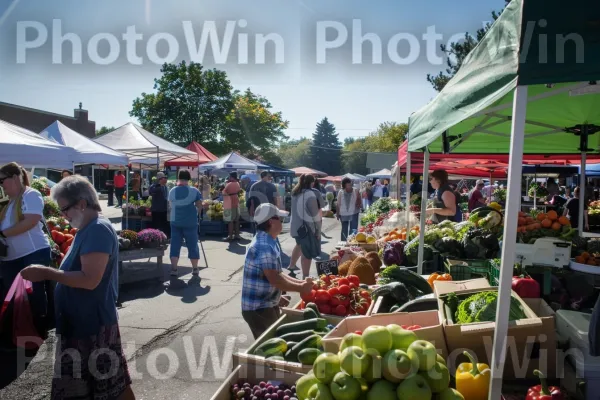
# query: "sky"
[[304, 56]]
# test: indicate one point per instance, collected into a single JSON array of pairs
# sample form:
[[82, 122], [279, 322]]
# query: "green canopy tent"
[[515, 93]]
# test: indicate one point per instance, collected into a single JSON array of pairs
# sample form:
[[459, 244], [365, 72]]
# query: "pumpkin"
[[564, 221], [552, 215], [541, 217], [546, 223]]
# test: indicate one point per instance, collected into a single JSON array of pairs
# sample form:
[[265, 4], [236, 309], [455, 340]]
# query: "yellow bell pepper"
[[473, 380]]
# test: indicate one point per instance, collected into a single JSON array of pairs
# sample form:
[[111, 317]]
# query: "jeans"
[[190, 234], [349, 226], [260, 320], [119, 192], [160, 222]]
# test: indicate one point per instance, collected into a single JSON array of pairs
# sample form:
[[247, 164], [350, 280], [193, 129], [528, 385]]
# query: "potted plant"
[[151, 238]]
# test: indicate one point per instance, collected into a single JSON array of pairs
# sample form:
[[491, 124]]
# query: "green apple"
[[326, 366], [351, 339], [354, 361], [397, 366], [345, 387], [414, 388], [401, 338], [373, 372], [304, 384], [438, 377], [382, 390], [378, 338], [319, 391], [441, 359], [425, 352], [364, 387], [448, 394]]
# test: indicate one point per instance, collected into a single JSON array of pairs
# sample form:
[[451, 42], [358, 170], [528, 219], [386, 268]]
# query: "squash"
[[308, 356], [271, 347], [312, 324]]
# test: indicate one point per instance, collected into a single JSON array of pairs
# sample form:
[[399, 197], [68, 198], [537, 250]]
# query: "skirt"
[[92, 368]]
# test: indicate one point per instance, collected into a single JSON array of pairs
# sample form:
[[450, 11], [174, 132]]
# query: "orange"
[[546, 223], [556, 226], [585, 255], [552, 215], [541, 217], [564, 221]]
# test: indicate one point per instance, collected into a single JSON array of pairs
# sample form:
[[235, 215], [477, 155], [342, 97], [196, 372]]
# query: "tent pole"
[[407, 201], [93, 177], [424, 196], [127, 199], [582, 187], [513, 199]]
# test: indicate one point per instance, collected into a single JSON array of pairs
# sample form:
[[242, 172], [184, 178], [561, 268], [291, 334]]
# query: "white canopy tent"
[[233, 161], [382, 174], [354, 177], [30, 149]]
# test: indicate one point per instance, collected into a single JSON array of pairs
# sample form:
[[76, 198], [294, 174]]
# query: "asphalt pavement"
[[178, 335]]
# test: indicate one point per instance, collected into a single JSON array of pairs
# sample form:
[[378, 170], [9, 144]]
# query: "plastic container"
[[463, 270]]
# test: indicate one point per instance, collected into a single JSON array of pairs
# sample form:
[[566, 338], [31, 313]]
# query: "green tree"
[[104, 129], [190, 103], [295, 153], [354, 156], [387, 138], [326, 155], [456, 53]]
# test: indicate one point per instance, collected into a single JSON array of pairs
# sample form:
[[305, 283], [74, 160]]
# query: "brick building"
[[38, 120]]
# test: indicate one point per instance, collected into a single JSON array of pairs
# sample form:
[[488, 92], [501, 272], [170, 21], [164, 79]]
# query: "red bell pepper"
[[526, 287], [543, 391]]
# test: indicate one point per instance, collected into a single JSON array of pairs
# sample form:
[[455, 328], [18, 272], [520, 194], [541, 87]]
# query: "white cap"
[[480, 182], [266, 211]]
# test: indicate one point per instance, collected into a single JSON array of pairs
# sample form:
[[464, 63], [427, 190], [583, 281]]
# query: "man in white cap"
[[263, 279], [476, 198]]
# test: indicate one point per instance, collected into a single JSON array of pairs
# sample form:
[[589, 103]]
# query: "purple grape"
[[267, 397], [286, 397], [257, 393], [241, 394], [280, 393], [287, 392], [254, 398], [270, 389], [263, 391], [248, 391], [246, 385], [293, 388], [275, 388]]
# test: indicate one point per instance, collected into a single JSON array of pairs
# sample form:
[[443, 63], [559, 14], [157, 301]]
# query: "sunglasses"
[[67, 208], [3, 179]]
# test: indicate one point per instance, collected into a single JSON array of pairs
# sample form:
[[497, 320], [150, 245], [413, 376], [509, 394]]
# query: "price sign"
[[329, 267]]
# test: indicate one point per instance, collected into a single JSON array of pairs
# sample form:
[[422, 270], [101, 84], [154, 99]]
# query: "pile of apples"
[[384, 363], [338, 295]]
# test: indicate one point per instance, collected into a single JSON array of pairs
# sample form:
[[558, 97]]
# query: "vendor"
[[159, 208], [552, 188], [445, 204], [572, 211], [66, 173], [476, 198], [263, 279]]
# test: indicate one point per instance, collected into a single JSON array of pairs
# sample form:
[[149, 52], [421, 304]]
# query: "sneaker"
[[293, 268], [196, 271], [237, 237], [174, 272], [229, 238]]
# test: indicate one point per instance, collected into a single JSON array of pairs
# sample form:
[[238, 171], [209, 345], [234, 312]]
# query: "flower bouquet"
[[151, 238]]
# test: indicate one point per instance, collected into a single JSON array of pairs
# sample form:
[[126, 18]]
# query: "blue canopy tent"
[[590, 169]]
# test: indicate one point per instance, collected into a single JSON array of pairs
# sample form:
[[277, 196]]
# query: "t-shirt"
[[184, 213], [81, 313], [263, 192], [474, 199], [119, 181], [159, 195], [230, 195], [32, 240], [573, 207]]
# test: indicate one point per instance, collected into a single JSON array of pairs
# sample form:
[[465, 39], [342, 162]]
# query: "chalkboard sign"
[[329, 267]]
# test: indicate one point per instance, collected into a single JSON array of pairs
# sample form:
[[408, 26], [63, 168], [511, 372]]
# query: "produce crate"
[[247, 357], [463, 270], [494, 275], [213, 228], [254, 374]]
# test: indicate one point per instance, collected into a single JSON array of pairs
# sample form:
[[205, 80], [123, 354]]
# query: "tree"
[[456, 54], [190, 103], [325, 151], [104, 129], [354, 156], [295, 153], [387, 138]]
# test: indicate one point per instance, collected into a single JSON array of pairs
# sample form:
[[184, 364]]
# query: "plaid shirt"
[[257, 293]]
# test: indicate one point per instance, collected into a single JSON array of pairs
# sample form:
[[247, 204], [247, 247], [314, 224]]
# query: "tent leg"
[[424, 197], [407, 201], [513, 200], [93, 177], [127, 200], [582, 187]]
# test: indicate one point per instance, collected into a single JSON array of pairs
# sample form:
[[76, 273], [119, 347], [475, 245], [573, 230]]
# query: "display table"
[[136, 223], [130, 275]]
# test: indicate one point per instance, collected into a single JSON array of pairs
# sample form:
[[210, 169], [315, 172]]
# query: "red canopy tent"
[[331, 179], [204, 156]]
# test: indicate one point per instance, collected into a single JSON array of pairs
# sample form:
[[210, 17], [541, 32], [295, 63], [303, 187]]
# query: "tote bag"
[[24, 333]]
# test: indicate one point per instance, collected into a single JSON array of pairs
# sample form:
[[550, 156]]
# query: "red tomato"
[[414, 327], [343, 281], [332, 278], [362, 309], [335, 301], [344, 290], [358, 332], [364, 294], [322, 296], [345, 301], [333, 291], [353, 279], [325, 278], [324, 308], [315, 286], [404, 326], [308, 297], [340, 310], [352, 286]]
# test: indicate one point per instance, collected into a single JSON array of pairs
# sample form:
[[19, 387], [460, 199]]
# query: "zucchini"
[[394, 308], [276, 358], [313, 307], [271, 347], [311, 342], [308, 356], [415, 280], [297, 336], [309, 324], [309, 313]]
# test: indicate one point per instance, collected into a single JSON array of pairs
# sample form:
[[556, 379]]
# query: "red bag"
[[24, 332]]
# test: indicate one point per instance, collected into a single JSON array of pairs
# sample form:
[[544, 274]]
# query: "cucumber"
[[313, 307], [276, 358], [309, 313], [311, 342], [271, 347], [309, 324], [297, 336], [292, 344], [308, 356]]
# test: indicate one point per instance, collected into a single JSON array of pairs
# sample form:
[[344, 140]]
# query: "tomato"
[[358, 332], [322, 296], [333, 291], [352, 286], [332, 278], [335, 301], [364, 294], [325, 279], [324, 308], [340, 310], [315, 286], [344, 290], [404, 326], [362, 309], [414, 327], [308, 297], [343, 281], [353, 279], [345, 301]]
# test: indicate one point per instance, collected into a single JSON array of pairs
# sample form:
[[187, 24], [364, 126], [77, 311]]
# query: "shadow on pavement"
[[238, 247], [188, 291], [14, 363]]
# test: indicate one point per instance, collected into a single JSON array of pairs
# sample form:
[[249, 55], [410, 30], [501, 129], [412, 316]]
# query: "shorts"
[[261, 320], [231, 215]]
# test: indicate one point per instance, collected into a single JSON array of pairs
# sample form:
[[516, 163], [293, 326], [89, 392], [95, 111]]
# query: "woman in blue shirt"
[[85, 298], [185, 201]]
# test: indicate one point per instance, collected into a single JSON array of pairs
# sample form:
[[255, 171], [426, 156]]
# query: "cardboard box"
[[246, 357], [429, 320], [531, 342], [254, 374]]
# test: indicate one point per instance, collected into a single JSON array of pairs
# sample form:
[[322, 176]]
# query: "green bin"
[[462, 270]]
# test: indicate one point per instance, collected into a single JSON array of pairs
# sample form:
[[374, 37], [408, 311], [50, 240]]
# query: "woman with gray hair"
[[85, 297]]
